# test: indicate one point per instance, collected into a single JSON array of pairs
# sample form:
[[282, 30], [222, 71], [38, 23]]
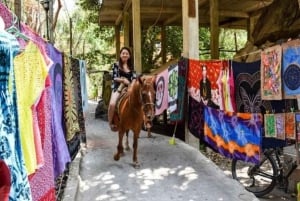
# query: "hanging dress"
[[10, 146], [30, 75]]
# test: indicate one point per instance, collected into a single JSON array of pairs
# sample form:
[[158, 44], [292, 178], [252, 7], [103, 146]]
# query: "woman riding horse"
[[123, 74]]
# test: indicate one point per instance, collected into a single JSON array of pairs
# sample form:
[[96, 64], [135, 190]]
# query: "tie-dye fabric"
[[10, 144], [172, 87], [234, 135], [291, 68], [177, 115], [161, 103]]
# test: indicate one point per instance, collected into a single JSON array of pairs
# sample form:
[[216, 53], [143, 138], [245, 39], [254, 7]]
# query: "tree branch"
[[56, 15]]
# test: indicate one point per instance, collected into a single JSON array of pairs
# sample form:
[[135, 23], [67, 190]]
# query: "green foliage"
[[174, 41]]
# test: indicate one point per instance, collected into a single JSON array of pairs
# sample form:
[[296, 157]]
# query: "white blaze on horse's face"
[[148, 95]]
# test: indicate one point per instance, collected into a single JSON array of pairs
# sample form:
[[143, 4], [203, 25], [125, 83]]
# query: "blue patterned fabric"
[[291, 71], [10, 145], [234, 135]]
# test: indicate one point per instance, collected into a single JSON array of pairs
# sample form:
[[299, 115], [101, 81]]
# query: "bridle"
[[148, 118]]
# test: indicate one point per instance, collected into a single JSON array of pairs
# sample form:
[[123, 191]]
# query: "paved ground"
[[167, 173]]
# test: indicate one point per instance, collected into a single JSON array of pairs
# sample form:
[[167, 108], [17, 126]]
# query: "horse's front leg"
[[120, 146], [126, 142], [135, 145]]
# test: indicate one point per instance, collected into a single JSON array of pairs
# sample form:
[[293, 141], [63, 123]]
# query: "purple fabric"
[[61, 154], [6, 15]]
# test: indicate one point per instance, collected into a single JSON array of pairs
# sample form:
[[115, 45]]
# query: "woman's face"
[[124, 55]]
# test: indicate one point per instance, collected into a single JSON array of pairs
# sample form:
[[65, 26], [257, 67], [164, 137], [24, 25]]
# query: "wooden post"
[[190, 27], [163, 44], [71, 36], [126, 28], [18, 9], [117, 38], [250, 28], [214, 29], [136, 18]]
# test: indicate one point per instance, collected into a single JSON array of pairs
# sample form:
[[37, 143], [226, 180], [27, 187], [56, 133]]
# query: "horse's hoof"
[[127, 148], [116, 157], [136, 165]]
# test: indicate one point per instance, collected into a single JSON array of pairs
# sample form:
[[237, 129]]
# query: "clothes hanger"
[[16, 31]]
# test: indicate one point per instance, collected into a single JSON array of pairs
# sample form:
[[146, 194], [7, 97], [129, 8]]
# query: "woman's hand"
[[122, 80]]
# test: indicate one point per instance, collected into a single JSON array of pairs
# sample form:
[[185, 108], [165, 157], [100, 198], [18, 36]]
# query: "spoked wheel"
[[258, 179]]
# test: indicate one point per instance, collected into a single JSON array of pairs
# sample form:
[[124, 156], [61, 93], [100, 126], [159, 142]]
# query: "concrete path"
[[167, 173]]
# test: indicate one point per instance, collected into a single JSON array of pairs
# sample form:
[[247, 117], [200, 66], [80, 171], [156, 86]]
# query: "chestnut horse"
[[135, 108]]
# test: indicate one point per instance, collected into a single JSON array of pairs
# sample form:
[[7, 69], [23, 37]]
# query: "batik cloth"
[[30, 73], [42, 181], [271, 73], [234, 135], [75, 67], [172, 87], [69, 104], [161, 82], [61, 155], [70, 113], [196, 118], [291, 68], [280, 125], [270, 125], [177, 115], [290, 125], [10, 145]]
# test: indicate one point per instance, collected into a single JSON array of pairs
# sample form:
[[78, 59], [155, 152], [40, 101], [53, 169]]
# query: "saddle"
[[123, 90]]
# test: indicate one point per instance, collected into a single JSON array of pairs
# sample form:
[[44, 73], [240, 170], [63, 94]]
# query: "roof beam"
[[125, 9], [173, 19]]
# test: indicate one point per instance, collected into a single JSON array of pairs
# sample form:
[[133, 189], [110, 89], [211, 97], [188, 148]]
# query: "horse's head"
[[148, 98]]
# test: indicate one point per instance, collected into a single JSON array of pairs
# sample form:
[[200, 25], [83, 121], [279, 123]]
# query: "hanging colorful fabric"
[[291, 68], [271, 73], [297, 119], [177, 115], [172, 87], [161, 103], [290, 126], [234, 135], [270, 127], [280, 125]]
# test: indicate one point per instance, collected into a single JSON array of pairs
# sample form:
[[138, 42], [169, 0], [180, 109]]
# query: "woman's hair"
[[129, 62]]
